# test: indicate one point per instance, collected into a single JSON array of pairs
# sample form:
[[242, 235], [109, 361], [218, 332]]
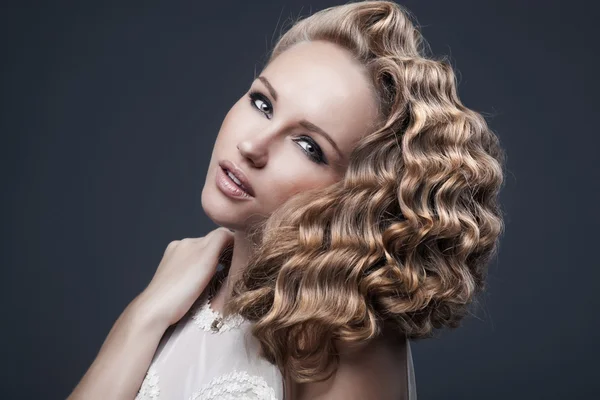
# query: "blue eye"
[[312, 150], [260, 102]]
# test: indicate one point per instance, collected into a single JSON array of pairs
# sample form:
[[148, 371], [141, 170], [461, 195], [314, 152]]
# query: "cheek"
[[236, 124], [292, 179]]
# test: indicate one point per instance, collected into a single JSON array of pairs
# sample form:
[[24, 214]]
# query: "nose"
[[256, 147], [255, 154]]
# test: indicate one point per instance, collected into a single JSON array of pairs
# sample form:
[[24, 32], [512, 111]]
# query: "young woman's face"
[[292, 131]]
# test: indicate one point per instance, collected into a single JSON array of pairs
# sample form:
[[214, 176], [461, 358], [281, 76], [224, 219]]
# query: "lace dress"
[[204, 357]]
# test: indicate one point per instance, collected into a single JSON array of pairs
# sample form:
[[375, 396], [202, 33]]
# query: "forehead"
[[322, 83]]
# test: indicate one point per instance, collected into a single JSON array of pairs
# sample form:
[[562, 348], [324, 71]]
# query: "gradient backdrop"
[[108, 117]]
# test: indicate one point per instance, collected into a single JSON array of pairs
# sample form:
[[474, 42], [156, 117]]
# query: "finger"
[[172, 245]]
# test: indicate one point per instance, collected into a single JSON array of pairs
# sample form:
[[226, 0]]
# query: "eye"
[[312, 150], [260, 102]]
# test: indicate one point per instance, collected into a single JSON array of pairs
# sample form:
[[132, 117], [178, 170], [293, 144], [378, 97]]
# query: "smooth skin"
[[281, 155], [184, 271], [265, 136]]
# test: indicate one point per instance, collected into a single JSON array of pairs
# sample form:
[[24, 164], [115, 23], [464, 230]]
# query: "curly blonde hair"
[[405, 237]]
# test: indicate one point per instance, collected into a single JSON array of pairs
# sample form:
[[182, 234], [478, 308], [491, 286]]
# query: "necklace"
[[214, 321], [218, 321]]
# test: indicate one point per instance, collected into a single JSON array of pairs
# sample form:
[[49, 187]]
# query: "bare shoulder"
[[378, 371]]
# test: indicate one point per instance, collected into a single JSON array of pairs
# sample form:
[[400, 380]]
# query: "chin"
[[219, 211]]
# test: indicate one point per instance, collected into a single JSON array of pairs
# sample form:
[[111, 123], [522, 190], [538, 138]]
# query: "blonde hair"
[[405, 237]]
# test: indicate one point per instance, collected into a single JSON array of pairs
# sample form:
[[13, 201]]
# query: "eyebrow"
[[304, 123]]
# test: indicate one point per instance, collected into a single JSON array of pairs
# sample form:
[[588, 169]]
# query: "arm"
[[122, 362], [184, 271]]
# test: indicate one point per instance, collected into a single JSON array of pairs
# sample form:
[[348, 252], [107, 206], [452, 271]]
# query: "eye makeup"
[[313, 150]]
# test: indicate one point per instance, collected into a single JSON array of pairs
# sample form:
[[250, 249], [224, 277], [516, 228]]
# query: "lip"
[[229, 188], [238, 173]]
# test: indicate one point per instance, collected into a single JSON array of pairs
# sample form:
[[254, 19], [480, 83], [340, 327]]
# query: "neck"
[[239, 258]]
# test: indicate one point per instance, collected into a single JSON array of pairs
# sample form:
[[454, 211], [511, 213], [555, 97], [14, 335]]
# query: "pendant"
[[217, 324]]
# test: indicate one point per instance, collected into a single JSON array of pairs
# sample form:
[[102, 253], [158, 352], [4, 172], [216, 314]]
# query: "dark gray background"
[[109, 113]]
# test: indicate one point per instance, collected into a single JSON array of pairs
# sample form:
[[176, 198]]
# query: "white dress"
[[195, 362]]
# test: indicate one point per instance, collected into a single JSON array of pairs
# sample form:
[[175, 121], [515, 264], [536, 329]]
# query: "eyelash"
[[318, 157]]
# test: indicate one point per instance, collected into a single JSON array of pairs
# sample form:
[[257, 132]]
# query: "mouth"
[[236, 176]]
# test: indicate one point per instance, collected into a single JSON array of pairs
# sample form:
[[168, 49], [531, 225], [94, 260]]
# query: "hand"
[[183, 273]]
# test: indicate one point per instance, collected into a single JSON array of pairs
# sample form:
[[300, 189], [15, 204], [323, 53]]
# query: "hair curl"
[[405, 237]]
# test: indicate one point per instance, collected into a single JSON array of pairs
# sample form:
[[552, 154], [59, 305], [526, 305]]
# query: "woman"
[[360, 201]]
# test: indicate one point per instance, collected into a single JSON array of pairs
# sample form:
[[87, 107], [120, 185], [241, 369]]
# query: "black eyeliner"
[[319, 158], [254, 95]]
